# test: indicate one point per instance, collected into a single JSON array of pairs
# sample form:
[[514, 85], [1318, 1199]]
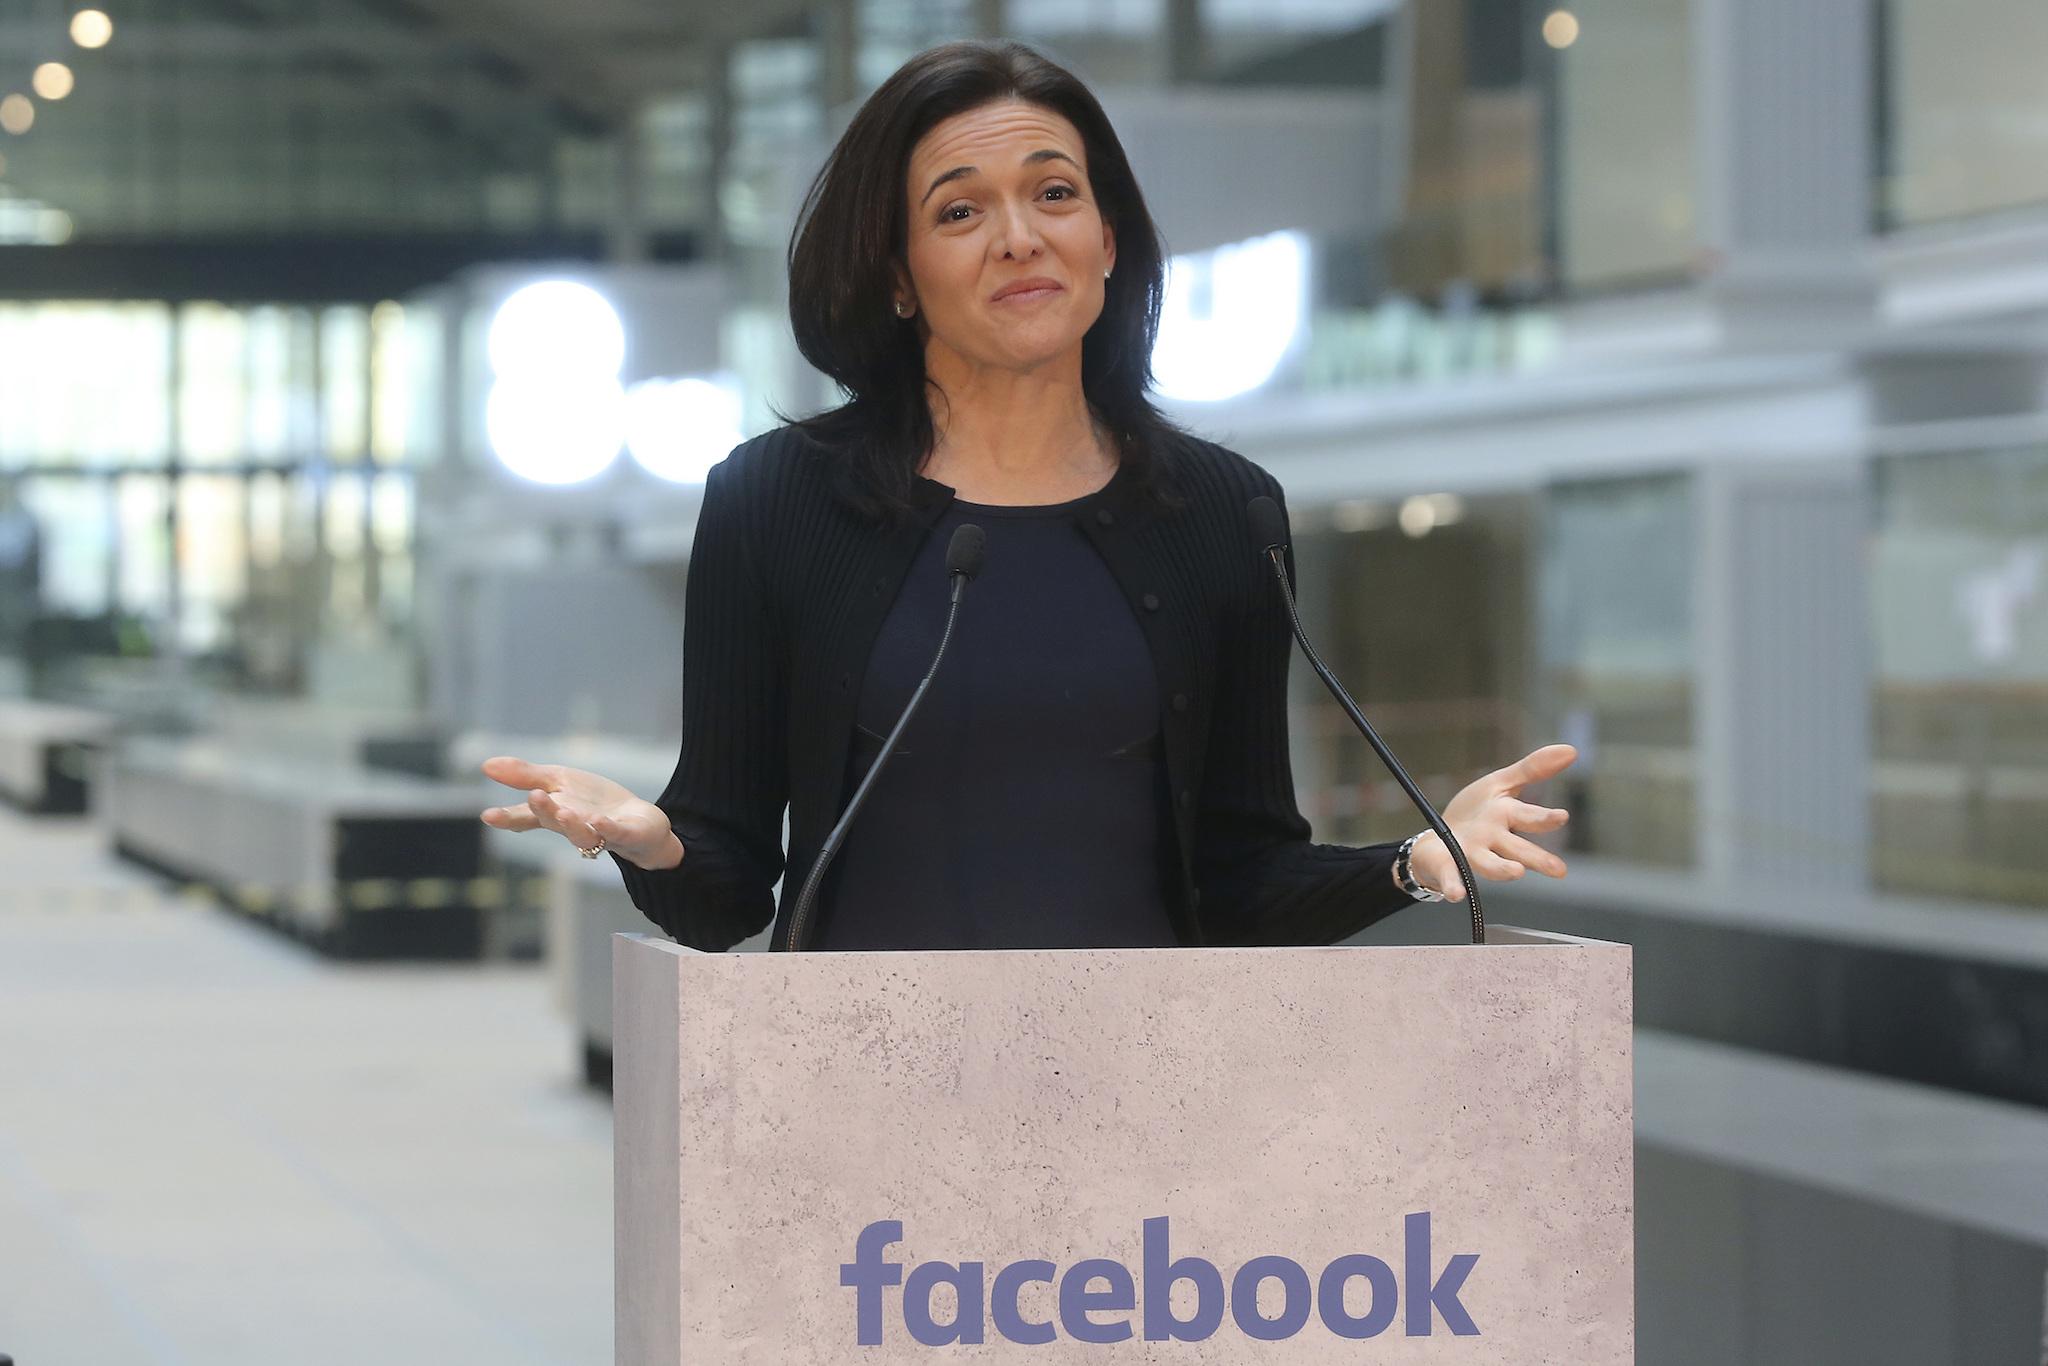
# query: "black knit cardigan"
[[788, 586]]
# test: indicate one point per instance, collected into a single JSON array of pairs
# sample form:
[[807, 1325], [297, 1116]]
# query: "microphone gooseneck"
[[1269, 538], [964, 555]]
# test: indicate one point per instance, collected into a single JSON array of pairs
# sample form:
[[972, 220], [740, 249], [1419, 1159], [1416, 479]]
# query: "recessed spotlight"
[[1417, 516], [17, 113], [53, 80], [91, 28], [1561, 28]]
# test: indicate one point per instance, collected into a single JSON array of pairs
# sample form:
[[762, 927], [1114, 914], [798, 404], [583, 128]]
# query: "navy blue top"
[[1025, 806]]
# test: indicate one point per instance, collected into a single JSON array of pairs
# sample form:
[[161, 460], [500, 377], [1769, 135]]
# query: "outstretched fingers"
[[1538, 764], [1490, 865], [565, 820], [1530, 816], [1531, 854], [513, 771], [518, 817]]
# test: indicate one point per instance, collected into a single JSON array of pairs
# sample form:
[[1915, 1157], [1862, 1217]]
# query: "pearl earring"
[[899, 308]]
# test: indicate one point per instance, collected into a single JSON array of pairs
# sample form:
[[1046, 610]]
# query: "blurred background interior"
[[1669, 377]]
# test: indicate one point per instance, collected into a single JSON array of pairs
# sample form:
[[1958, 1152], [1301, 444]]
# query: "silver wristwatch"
[[1406, 877]]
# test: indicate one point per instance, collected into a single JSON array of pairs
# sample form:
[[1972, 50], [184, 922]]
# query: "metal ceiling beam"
[[203, 39], [584, 94]]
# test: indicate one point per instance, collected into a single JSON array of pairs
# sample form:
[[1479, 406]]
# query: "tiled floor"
[[219, 1149]]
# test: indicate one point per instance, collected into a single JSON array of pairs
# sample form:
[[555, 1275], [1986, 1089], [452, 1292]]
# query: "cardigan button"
[[1151, 601], [1105, 516], [1180, 701]]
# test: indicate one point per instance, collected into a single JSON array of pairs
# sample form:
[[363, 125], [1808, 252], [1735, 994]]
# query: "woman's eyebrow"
[[1042, 154]]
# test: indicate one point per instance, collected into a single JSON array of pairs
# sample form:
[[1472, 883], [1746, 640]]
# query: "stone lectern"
[[1214, 1155]]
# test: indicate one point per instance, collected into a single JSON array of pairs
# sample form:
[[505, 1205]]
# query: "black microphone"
[[964, 555], [1269, 538]]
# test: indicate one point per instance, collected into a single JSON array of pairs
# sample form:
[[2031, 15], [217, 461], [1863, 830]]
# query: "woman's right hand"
[[582, 808]]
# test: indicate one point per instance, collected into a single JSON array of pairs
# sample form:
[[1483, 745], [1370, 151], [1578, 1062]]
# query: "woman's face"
[[999, 195]]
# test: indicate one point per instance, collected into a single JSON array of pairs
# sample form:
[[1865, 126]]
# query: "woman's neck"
[[1019, 447]]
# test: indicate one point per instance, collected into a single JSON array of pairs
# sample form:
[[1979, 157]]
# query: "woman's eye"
[[946, 214]]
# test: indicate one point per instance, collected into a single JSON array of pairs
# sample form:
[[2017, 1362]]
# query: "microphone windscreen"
[[964, 551], [1269, 528]]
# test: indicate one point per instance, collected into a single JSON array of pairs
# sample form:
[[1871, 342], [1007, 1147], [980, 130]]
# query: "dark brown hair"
[[851, 232]]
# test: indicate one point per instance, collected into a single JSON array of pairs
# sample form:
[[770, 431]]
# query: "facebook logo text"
[[1090, 1313]]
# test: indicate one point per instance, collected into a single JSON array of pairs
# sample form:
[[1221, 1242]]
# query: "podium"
[[1216, 1155]]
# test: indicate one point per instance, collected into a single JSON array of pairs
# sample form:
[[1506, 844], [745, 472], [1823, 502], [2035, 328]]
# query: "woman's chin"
[[1030, 349]]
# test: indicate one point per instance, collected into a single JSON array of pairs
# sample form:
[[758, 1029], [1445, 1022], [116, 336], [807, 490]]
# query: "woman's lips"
[[1025, 296]]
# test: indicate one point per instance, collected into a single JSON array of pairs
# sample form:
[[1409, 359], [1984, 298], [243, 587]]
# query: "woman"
[[1102, 758]]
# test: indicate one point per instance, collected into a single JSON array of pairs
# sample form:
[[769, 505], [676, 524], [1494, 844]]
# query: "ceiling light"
[[1417, 516], [91, 28], [679, 428], [17, 113], [552, 326], [52, 80], [556, 412]]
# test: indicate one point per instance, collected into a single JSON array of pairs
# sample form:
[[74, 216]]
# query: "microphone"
[[964, 554], [1269, 538]]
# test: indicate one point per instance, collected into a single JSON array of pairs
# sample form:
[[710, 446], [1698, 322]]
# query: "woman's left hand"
[[1485, 817]]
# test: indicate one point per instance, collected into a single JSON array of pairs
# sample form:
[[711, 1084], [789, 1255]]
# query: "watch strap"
[[1405, 875]]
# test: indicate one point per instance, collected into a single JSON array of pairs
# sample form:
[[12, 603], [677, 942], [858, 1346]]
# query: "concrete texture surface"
[[1012, 1105]]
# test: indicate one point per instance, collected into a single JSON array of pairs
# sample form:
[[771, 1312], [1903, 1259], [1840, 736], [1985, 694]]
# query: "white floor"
[[219, 1149]]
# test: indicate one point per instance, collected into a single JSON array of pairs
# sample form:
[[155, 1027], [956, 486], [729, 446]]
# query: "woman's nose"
[[1016, 233]]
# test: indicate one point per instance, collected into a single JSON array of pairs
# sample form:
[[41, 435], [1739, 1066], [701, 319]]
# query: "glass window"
[[391, 532], [87, 396], [1624, 158], [344, 380], [268, 427], [213, 383], [267, 514], [1965, 87], [424, 378], [144, 579], [71, 531], [390, 395], [212, 558], [674, 142], [1614, 607], [1420, 633], [1959, 595], [84, 383], [893, 31]]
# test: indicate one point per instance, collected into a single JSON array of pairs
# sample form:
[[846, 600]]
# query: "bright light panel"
[[679, 428], [1230, 316], [557, 412]]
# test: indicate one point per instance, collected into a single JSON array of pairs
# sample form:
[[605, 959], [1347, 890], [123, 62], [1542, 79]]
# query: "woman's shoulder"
[[1216, 476], [786, 466], [768, 463], [769, 457]]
